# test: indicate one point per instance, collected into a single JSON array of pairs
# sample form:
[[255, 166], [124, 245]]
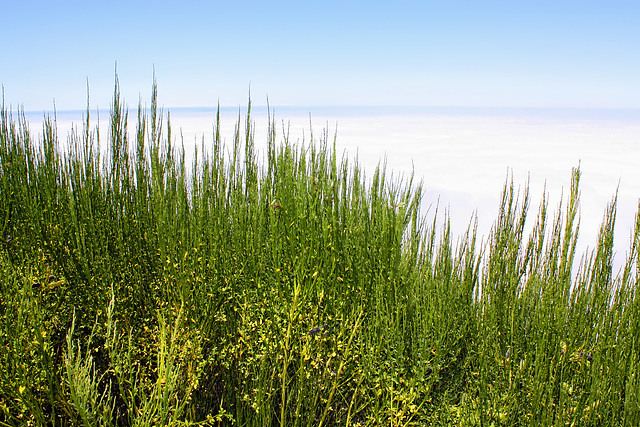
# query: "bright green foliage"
[[285, 288]]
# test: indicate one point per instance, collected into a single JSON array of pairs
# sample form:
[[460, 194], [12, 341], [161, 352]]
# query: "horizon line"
[[310, 107]]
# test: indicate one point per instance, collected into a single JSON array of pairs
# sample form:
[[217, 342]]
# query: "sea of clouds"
[[464, 156]]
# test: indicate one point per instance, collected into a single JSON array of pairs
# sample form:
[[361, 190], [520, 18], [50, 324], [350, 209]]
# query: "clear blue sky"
[[472, 53]]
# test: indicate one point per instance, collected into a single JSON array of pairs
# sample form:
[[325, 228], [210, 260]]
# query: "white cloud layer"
[[465, 156]]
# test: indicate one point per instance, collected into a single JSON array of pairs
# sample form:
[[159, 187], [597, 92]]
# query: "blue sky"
[[469, 53]]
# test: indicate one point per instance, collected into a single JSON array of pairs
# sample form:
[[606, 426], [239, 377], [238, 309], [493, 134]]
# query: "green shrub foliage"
[[284, 287]]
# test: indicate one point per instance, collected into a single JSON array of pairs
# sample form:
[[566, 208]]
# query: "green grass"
[[283, 288]]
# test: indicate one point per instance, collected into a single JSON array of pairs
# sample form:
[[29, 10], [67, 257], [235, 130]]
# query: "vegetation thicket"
[[285, 288]]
